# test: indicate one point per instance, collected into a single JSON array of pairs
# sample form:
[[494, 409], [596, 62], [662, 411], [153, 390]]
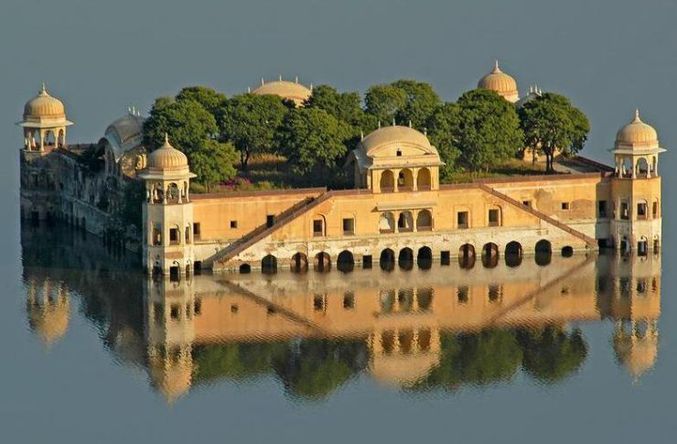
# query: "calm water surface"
[[281, 359]]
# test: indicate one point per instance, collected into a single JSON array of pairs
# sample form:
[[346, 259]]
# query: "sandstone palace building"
[[397, 210]]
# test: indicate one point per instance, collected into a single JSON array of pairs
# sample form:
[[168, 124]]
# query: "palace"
[[397, 211]]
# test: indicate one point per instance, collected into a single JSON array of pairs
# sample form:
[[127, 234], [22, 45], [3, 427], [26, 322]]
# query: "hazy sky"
[[101, 57]]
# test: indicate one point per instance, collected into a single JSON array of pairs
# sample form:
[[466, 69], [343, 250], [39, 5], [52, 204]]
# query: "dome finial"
[[43, 89], [280, 77], [166, 139], [637, 119], [496, 68]]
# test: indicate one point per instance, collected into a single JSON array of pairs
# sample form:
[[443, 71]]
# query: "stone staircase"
[[263, 230], [544, 217]]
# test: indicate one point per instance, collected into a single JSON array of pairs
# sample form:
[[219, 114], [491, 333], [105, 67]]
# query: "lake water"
[[79, 370], [488, 353]]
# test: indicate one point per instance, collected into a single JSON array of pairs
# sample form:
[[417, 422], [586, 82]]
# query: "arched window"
[[322, 262], [423, 179], [173, 193], [386, 223], [513, 254], [405, 180], [345, 261], [424, 221], [466, 256], [269, 264], [642, 168], [387, 182], [543, 252], [405, 222], [299, 263]]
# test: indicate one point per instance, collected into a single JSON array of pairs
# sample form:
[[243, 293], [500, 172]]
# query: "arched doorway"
[[424, 258], [386, 223], [345, 261], [543, 251], [387, 259], [490, 255], [269, 264], [406, 258], [405, 180], [423, 180], [424, 221], [405, 222], [387, 182], [245, 268], [322, 262], [466, 256], [299, 263], [513, 254]]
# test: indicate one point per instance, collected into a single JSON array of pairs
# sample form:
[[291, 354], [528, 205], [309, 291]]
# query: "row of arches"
[[405, 222], [406, 258], [405, 180]]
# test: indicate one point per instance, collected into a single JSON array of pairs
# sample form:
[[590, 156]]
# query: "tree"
[[384, 101], [314, 142], [550, 123], [210, 99], [488, 130], [552, 354], [187, 122], [442, 130], [251, 123], [404, 101], [213, 162]]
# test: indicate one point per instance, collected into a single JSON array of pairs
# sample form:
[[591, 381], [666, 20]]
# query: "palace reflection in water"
[[439, 328]]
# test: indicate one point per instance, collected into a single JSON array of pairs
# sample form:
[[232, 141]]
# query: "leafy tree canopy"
[[213, 162], [442, 132], [403, 101], [209, 98], [488, 130], [187, 122], [251, 123], [550, 123], [314, 142]]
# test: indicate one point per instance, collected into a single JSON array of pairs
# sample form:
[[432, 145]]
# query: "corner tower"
[[167, 213], [636, 189], [44, 123]]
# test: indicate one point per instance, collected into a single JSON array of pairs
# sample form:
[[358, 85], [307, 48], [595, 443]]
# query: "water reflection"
[[419, 329]]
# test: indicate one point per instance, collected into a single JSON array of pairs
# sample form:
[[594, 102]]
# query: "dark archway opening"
[[345, 261], [513, 254], [299, 263], [269, 264], [387, 260], [490, 255], [245, 268], [567, 251], [322, 262], [466, 256], [424, 258], [406, 259], [543, 252]]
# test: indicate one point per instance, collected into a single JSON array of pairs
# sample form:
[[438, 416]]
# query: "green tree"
[[550, 123], [421, 103], [314, 142], [252, 123], [210, 99], [442, 130], [187, 122], [552, 354], [213, 162], [488, 130], [130, 211], [384, 101]]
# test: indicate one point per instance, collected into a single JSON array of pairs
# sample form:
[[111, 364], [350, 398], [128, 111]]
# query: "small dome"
[[500, 82], [637, 134], [396, 136], [294, 91], [49, 320], [44, 106], [167, 158]]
